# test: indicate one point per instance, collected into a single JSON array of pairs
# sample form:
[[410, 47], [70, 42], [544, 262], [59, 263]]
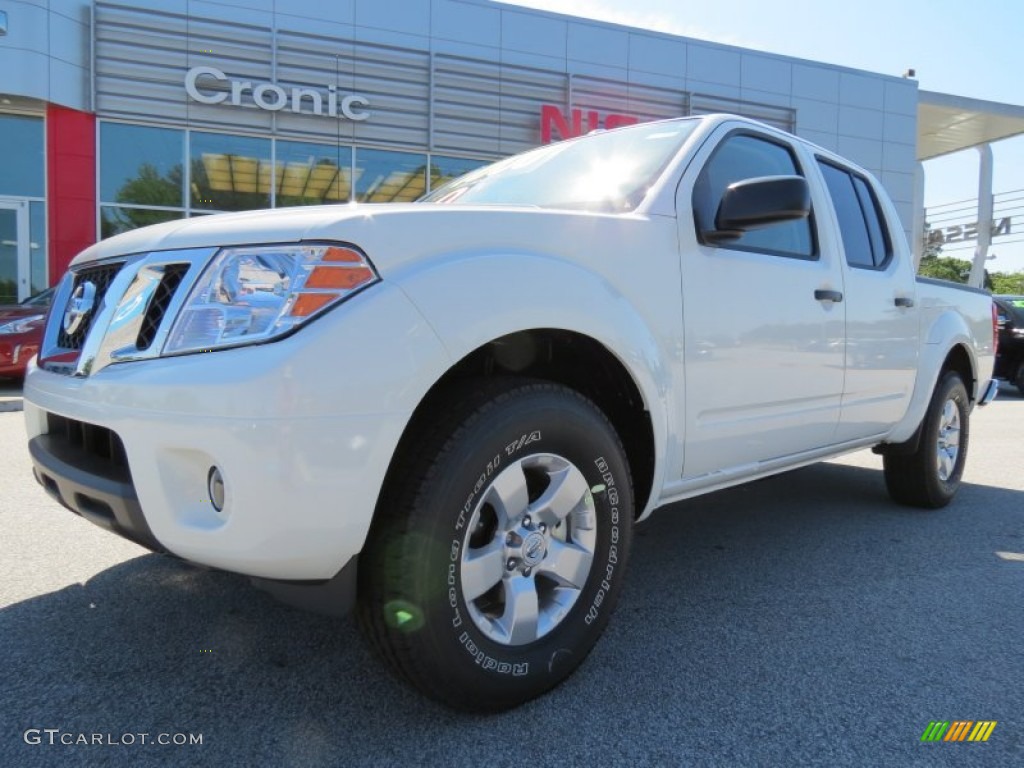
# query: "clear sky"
[[966, 47]]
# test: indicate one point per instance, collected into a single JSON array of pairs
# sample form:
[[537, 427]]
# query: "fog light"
[[215, 485]]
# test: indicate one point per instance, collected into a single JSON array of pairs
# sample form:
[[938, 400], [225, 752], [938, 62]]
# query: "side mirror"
[[754, 203]]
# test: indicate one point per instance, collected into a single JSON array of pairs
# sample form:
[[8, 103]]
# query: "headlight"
[[252, 294], [20, 325]]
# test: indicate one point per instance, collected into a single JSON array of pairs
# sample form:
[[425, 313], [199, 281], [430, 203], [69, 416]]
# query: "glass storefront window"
[[312, 174], [389, 177], [230, 173], [38, 271], [141, 165], [142, 176], [24, 160], [8, 256], [115, 219], [444, 169]]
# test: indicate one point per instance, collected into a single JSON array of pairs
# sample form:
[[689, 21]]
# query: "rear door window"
[[865, 238]]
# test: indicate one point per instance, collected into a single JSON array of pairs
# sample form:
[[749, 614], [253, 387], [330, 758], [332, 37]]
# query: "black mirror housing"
[[760, 202]]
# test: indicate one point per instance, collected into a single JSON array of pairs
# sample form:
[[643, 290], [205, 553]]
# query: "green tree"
[[932, 241], [945, 268], [147, 188], [150, 188], [1008, 283]]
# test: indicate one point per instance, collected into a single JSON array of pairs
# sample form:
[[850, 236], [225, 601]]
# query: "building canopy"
[[948, 123]]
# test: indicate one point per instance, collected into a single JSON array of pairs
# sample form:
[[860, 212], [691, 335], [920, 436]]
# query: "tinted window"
[[444, 169], [117, 219], [38, 271], [865, 238], [312, 174], [389, 177], [22, 171], [746, 157], [230, 173], [856, 240], [141, 165], [880, 247]]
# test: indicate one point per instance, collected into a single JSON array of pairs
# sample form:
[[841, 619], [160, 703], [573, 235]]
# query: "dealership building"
[[114, 115]]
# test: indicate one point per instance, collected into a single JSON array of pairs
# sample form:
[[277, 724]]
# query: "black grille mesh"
[[101, 276], [158, 303], [99, 442]]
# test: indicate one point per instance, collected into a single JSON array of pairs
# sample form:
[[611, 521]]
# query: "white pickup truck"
[[453, 412]]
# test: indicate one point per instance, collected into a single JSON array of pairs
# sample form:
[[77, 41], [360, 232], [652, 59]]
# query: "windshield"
[[607, 172], [40, 299]]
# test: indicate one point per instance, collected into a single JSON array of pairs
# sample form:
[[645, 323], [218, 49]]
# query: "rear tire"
[[930, 476], [499, 546]]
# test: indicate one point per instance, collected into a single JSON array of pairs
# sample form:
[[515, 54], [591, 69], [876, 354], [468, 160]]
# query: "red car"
[[21, 332]]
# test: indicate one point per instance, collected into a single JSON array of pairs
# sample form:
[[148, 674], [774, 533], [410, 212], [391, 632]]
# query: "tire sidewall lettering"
[[493, 658]]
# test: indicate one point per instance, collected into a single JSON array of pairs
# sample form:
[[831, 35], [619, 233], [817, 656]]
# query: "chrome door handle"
[[823, 295]]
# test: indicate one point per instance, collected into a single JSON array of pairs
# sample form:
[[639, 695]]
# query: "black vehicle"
[[1010, 357]]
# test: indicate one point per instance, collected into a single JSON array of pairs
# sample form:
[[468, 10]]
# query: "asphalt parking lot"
[[802, 620]]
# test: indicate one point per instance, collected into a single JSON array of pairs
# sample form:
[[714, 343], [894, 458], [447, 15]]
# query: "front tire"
[[930, 476], [499, 546]]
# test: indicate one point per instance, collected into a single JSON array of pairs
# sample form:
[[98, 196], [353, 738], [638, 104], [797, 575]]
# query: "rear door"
[[881, 316], [763, 318]]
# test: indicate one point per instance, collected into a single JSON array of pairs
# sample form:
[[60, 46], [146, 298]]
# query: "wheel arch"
[[958, 358], [961, 360], [565, 357]]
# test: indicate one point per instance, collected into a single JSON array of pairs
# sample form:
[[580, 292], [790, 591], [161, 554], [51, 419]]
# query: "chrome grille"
[[123, 310], [100, 276], [173, 274]]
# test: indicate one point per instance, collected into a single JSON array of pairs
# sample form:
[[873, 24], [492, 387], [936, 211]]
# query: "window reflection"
[[8, 256], [230, 173], [142, 174], [115, 220], [141, 165], [22, 140], [389, 177], [444, 169], [312, 174], [38, 272]]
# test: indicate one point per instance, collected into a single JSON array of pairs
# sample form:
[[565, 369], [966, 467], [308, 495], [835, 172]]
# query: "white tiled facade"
[[872, 119]]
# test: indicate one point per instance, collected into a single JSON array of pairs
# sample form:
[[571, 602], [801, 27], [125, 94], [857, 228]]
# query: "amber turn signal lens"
[[308, 303], [334, 253], [342, 278]]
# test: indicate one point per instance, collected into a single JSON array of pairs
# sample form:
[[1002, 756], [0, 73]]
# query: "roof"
[[948, 123]]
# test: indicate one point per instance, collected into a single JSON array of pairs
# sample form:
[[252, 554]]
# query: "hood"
[[280, 225], [391, 234]]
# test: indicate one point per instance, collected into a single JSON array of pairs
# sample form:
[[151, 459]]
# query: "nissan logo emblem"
[[81, 304]]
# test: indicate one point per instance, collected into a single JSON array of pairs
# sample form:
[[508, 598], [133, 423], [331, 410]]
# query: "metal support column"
[[917, 242], [977, 278]]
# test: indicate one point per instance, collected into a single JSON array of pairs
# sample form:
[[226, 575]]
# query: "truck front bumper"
[[301, 430], [298, 494], [99, 490]]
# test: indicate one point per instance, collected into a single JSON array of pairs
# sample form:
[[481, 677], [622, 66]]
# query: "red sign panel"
[[553, 119]]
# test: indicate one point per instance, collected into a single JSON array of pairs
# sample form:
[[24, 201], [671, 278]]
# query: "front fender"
[[471, 299]]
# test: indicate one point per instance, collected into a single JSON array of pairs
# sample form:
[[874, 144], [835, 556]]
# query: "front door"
[[14, 251], [763, 322]]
